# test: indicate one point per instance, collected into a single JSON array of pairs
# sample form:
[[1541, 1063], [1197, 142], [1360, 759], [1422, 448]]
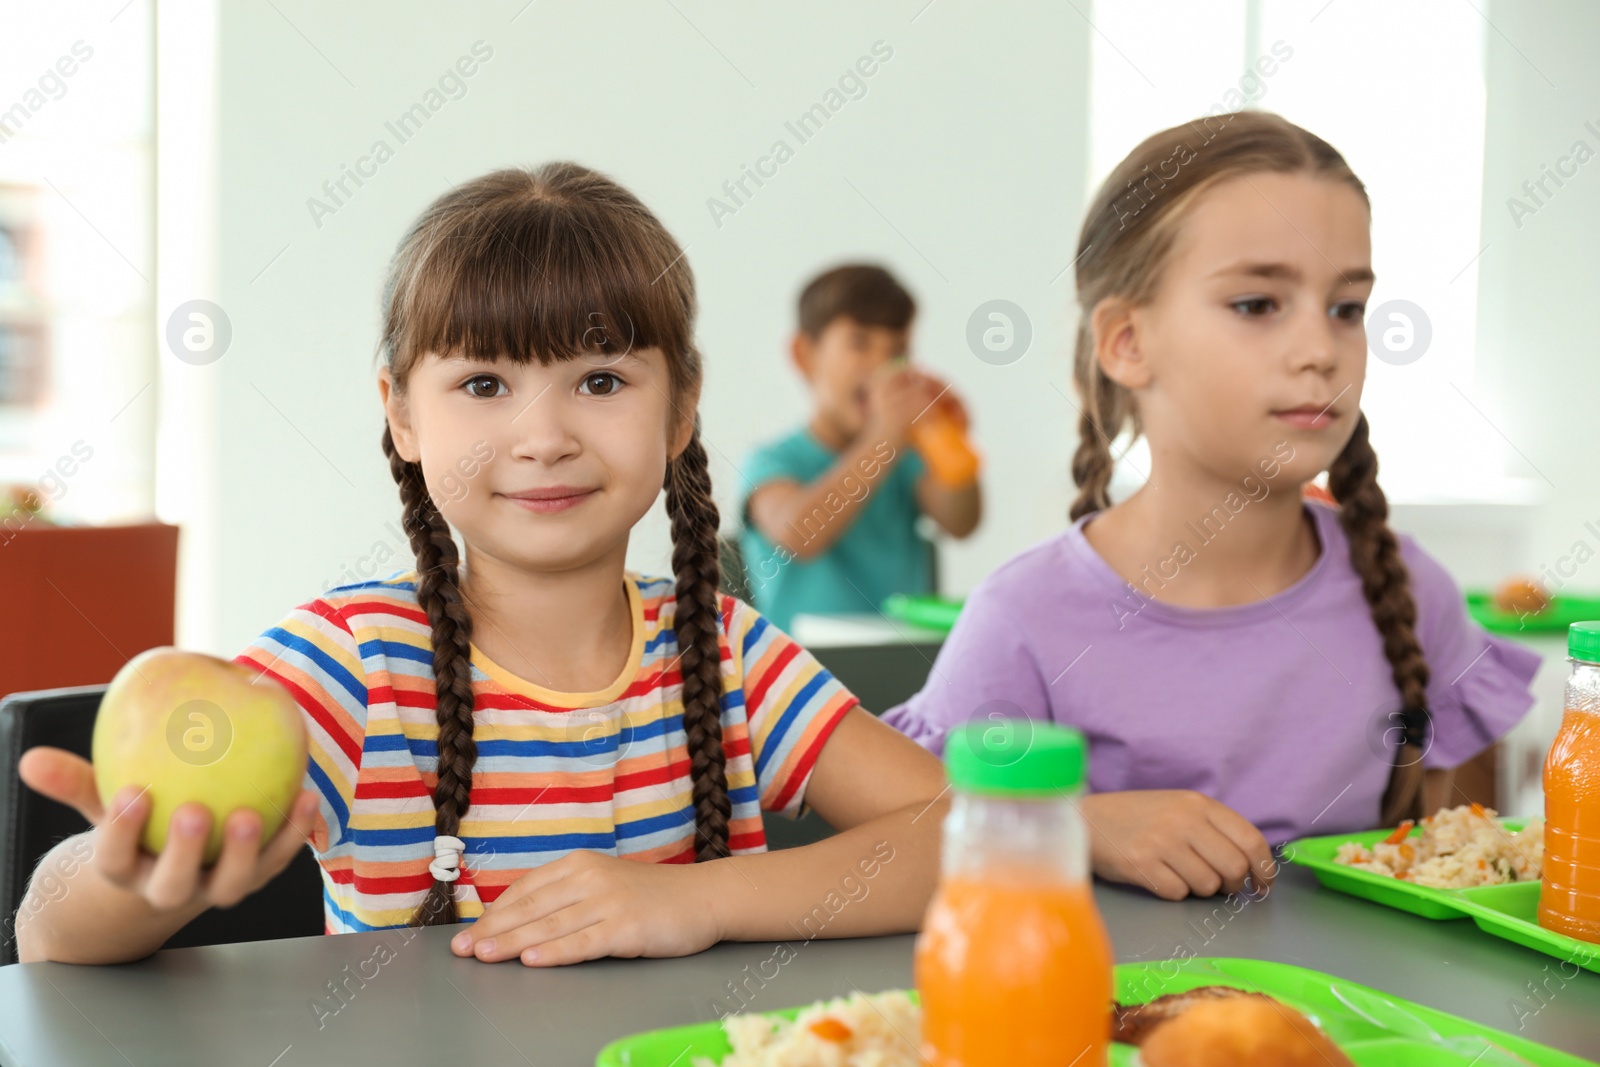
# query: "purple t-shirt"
[[1281, 709]]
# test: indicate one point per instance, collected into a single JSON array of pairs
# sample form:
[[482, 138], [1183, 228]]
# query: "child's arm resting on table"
[[96, 898], [882, 790]]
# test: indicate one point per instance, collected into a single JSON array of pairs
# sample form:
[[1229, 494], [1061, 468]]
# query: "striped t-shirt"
[[556, 772]]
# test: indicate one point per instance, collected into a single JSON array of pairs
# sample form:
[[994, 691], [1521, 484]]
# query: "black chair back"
[[30, 825]]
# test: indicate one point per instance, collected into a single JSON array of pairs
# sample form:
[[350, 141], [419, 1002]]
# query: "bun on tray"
[[1248, 1029]]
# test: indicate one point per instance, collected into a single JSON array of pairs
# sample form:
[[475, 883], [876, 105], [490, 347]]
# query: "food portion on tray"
[[1206, 1025], [1457, 848], [1195, 1012], [1463, 863], [864, 1029], [1212, 1025]]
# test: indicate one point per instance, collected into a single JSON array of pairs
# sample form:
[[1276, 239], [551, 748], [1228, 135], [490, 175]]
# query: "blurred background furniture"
[[80, 601]]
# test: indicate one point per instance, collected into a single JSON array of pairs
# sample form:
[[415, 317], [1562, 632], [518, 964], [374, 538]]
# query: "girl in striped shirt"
[[503, 733]]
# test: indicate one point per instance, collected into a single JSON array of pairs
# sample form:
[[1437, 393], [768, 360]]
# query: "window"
[[1399, 90], [77, 359]]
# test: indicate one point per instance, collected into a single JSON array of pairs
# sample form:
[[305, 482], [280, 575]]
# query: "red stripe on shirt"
[[808, 758]]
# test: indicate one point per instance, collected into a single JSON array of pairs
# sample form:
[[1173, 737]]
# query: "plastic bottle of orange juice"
[[1569, 897], [1013, 964], [944, 447]]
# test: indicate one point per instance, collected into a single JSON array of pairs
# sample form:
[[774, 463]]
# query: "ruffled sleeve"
[[985, 669], [1479, 684]]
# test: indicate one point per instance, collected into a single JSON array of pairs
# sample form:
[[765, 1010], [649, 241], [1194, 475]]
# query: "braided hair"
[[554, 263], [1126, 236]]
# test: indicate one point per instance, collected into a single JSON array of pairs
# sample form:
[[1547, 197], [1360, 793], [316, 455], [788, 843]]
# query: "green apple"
[[192, 727]]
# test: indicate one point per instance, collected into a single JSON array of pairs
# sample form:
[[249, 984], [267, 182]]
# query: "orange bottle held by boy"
[[1569, 896], [1013, 964], [941, 440], [944, 447]]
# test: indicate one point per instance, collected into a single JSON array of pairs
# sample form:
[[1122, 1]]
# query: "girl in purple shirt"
[[1249, 665]]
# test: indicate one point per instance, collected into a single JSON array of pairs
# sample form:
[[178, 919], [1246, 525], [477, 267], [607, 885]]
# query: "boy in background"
[[830, 509]]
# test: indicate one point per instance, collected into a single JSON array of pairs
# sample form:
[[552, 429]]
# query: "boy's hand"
[[586, 905], [896, 394], [1175, 842], [950, 402], [174, 880]]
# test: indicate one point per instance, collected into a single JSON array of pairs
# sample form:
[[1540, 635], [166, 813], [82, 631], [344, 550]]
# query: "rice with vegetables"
[[1459, 848], [861, 1030]]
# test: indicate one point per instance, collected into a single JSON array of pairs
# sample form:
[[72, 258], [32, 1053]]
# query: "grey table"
[[256, 1004]]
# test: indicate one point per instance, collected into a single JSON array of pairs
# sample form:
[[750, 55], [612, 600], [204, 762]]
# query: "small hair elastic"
[[447, 852], [1415, 726]]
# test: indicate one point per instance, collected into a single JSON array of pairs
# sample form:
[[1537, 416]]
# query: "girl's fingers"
[[537, 911], [545, 875], [116, 838], [300, 824], [291, 837], [587, 943], [232, 879], [63, 777], [1165, 882], [1223, 855], [512, 943], [175, 876], [1198, 875], [1251, 842]]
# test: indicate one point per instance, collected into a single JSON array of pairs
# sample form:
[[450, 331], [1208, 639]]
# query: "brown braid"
[[554, 263], [1100, 418], [438, 594], [696, 563], [1385, 582]]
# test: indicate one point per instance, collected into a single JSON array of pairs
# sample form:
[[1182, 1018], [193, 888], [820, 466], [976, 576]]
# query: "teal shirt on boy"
[[880, 554]]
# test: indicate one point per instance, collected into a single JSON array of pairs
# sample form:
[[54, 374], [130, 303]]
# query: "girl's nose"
[[1316, 345], [543, 431]]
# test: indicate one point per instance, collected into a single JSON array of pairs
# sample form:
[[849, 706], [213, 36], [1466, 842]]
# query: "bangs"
[[524, 272]]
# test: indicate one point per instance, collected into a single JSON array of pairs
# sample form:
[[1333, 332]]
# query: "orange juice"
[[943, 445], [1569, 895], [1014, 972], [1013, 963]]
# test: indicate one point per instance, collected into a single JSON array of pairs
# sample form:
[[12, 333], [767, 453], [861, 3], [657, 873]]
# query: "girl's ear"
[[1116, 343], [684, 416], [399, 417]]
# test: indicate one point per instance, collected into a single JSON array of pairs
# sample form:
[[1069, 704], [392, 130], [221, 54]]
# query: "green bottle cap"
[[1583, 641], [1017, 757]]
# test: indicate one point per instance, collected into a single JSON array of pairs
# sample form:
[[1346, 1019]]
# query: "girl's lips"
[[546, 504], [1306, 418]]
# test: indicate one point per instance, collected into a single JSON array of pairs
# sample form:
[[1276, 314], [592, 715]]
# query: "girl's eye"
[[1254, 306], [602, 384], [1350, 311], [474, 386]]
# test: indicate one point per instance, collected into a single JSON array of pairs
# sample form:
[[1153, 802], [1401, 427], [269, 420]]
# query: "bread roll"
[[1241, 1030]]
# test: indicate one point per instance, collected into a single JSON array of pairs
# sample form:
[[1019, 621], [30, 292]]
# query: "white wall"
[[961, 167], [1539, 281]]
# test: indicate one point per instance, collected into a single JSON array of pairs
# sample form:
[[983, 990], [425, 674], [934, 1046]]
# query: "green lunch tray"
[[939, 613], [1373, 1028], [928, 612], [1562, 612], [1508, 911]]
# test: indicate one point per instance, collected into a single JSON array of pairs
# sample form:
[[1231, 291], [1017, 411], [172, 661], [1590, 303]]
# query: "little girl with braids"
[[1248, 664], [522, 732]]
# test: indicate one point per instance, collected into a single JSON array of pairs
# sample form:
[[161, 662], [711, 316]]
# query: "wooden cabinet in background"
[[77, 602]]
